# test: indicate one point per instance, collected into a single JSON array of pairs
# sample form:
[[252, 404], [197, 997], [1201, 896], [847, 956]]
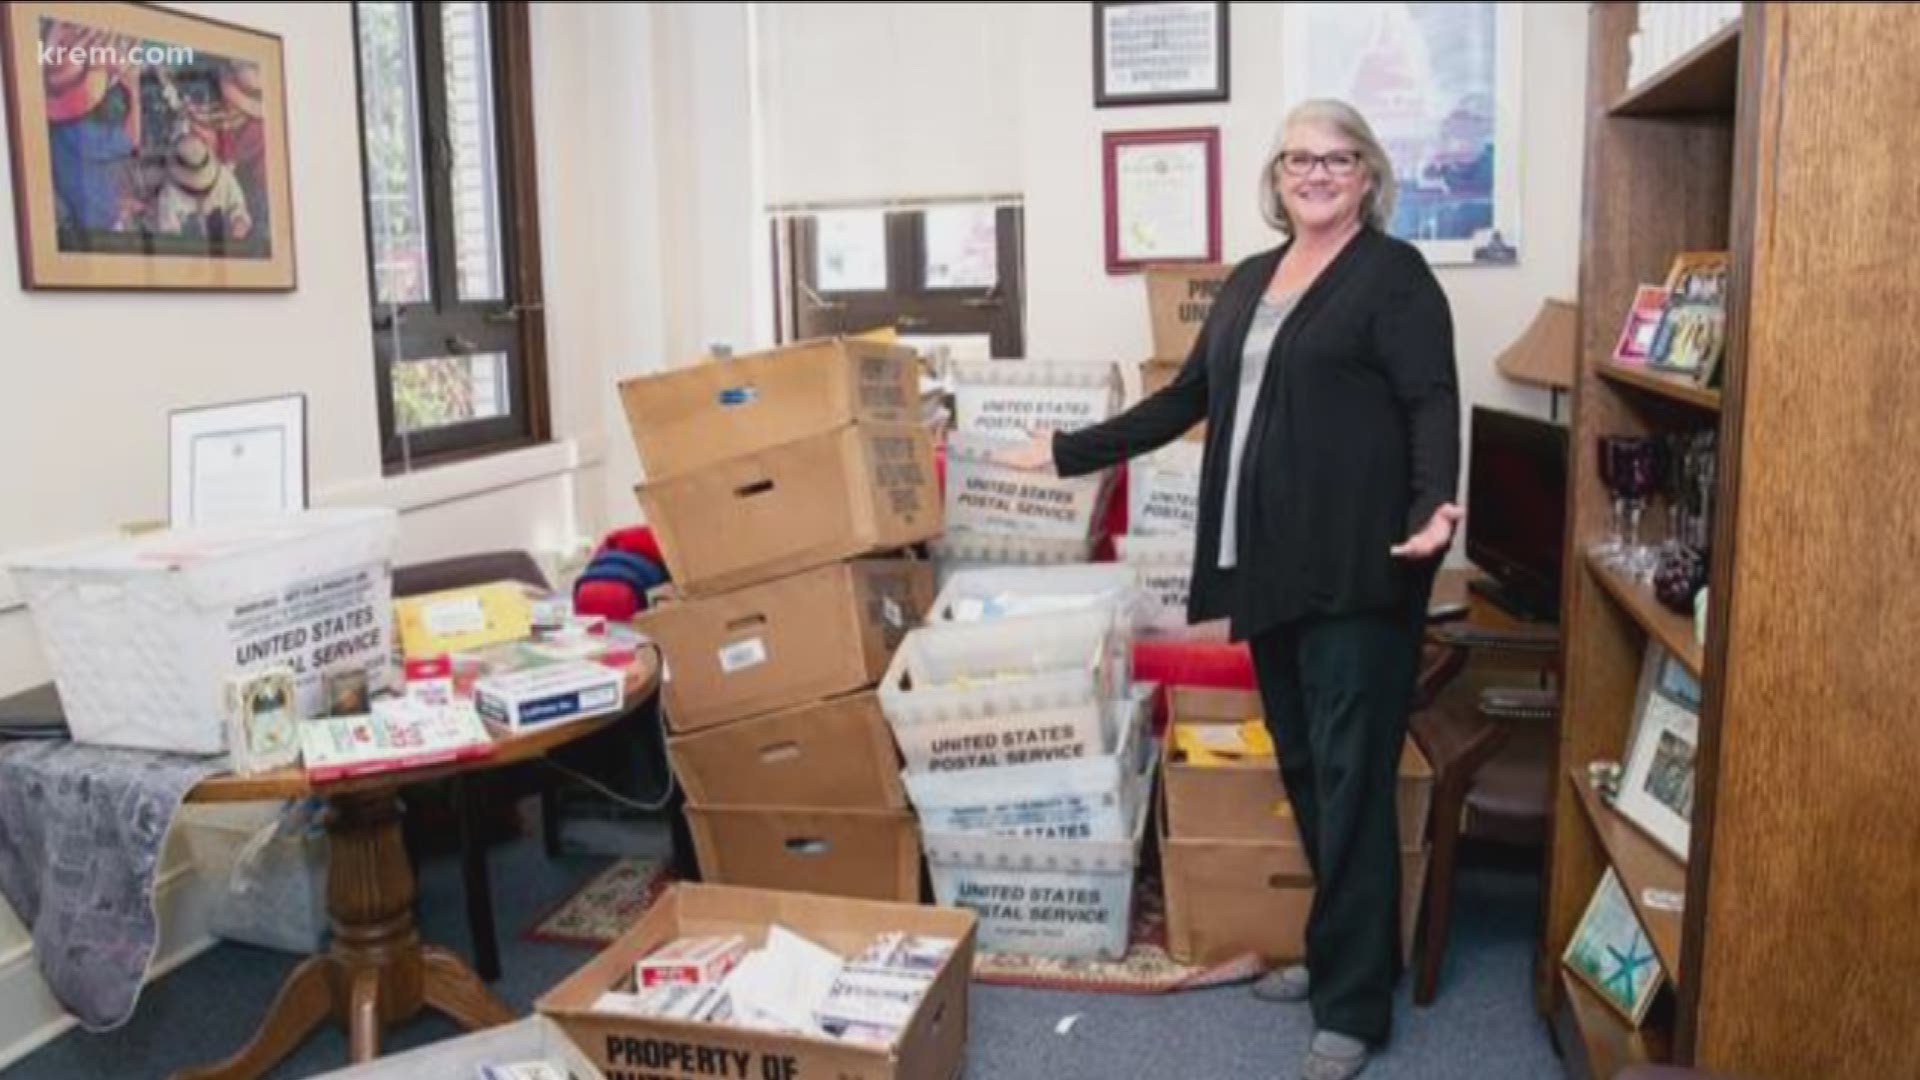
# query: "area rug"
[[606, 906], [1146, 969]]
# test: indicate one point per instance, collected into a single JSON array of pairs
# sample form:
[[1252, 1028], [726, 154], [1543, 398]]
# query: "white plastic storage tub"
[[989, 594], [1018, 691], [142, 633], [1060, 898], [996, 398], [960, 550], [985, 496], [1088, 799]]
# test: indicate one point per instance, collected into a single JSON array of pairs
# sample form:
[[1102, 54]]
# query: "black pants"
[[1337, 691]]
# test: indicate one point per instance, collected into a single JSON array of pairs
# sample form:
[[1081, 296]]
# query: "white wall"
[[1074, 309]]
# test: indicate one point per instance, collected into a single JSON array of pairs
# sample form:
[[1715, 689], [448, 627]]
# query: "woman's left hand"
[[1433, 539]]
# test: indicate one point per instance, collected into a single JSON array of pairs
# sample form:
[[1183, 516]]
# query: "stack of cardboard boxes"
[[783, 486], [1236, 876]]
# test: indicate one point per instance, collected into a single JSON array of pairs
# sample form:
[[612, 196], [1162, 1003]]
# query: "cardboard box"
[[533, 1038], [694, 417], [1247, 801], [792, 640], [1154, 377], [932, 1047], [867, 854], [1227, 898], [1178, 299], [854, 491], [833, 754]]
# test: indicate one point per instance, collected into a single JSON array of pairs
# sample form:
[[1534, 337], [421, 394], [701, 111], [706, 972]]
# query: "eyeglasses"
[[1301, 162]]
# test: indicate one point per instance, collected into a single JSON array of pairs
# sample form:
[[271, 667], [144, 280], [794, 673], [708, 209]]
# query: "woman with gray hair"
[[1325, 372]]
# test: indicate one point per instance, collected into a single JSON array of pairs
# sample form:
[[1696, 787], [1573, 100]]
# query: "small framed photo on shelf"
[[1611, 953], [1693, 325], [1656, 789], [1643, 321], [1162, 197], [1159, 53]]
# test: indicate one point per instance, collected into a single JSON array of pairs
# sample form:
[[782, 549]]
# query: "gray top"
[[1267, 320]]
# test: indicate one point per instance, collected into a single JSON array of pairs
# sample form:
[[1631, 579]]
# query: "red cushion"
[[608, 599], [1217, 664]]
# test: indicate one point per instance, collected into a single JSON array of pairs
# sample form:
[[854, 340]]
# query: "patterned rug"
[[1146, 969], [606, 906]]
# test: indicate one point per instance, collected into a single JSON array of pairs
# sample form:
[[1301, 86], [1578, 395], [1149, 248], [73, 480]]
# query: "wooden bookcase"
[[1791, 140]]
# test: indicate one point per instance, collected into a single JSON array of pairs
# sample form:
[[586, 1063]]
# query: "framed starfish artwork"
[[1612, 954]]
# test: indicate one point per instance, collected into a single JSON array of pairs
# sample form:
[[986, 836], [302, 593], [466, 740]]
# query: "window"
[[446, 122], [946, 274]]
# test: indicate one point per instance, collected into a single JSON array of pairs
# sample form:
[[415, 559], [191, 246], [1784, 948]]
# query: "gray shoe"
[[1288, 984], [1333, 1056]]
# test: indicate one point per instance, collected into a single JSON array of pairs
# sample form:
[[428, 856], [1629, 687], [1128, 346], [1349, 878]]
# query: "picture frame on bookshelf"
[[1692, 333], [1611, 953], [1643, 322], [1657, 785]]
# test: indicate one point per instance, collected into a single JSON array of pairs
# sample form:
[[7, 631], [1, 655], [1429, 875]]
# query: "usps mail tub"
[[991, 593], [1087, 799], [962, 549], [1008, 399], [986, 496], [142, 633], [1061, 898]]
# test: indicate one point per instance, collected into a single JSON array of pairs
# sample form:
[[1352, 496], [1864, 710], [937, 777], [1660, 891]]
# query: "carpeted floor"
[[1482, 1027]]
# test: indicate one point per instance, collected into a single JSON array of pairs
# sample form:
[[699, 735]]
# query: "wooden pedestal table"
[[377, 974]]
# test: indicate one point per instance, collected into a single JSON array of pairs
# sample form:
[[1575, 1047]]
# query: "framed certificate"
[[237, 461], [1159, 54], [1162, 197]]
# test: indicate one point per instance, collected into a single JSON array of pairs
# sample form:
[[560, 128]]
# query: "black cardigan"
[[1355, 443]]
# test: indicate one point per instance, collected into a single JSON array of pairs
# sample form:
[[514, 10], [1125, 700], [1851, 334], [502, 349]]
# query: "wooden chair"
[[1492, 767]]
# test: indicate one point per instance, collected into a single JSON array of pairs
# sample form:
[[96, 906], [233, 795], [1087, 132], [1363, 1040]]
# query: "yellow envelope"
[[461, 619]]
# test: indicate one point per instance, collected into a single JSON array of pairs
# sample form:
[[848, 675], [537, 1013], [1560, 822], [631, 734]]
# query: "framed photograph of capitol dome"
[[149, 149], [1439, 84]]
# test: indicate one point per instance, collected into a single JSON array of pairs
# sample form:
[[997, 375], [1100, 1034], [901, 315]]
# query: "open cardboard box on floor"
[[784, 642], [696, 416], [853, 491], [932, 1047], [1245, 800], [872, 854], [832, 754]]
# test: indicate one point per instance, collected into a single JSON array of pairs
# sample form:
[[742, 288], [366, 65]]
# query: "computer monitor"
[[1516, 507]]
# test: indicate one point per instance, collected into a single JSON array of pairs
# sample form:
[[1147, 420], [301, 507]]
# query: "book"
[[397, 734]]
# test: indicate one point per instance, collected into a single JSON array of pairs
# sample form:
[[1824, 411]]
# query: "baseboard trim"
[[30, 1017]]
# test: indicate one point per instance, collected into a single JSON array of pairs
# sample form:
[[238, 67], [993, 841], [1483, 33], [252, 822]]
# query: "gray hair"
[[1377, 207]]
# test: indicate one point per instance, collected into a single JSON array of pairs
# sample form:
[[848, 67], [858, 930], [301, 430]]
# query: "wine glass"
[[1637, 470], [1610, 549]]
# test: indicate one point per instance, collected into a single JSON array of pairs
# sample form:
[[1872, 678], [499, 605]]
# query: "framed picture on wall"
[[1440, 84], [1657, 784], [149, 149], [1159, 53], [1162, 197]]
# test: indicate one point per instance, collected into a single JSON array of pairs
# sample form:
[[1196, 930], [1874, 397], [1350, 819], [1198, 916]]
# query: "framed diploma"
[[237, 461], [1162, 197], [1159, 54]]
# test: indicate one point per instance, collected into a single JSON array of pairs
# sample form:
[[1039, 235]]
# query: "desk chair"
[[1492, 766], [469, 790]]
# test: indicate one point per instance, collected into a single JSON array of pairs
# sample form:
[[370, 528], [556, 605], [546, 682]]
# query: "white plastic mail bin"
[[985, 496], [992, 593], [1009, 399], [142, 633], [962, 549], [1060, 898], [1087, 799]]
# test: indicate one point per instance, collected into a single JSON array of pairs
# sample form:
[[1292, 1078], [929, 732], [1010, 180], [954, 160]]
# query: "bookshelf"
[[1786, 139]]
